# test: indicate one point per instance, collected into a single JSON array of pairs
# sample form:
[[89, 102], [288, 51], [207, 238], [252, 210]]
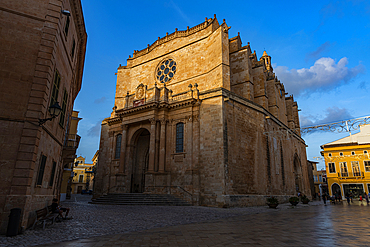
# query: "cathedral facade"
[[198, 115]]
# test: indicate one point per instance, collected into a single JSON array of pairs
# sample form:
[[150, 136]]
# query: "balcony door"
[[343, 169], [356, 169]]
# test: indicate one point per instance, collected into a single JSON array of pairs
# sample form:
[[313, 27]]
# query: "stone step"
[[140, 199]]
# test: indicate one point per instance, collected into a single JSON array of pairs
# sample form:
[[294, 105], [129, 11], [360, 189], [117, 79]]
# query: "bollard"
[[14, 220]]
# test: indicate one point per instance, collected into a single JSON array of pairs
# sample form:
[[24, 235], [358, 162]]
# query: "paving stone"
[[115, 225]]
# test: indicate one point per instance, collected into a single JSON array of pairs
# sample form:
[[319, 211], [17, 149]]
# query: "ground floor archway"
[[297, 173], [336, 191], [140, 160]]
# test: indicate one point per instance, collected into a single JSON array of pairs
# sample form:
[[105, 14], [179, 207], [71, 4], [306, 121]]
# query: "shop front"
[[355, 189]]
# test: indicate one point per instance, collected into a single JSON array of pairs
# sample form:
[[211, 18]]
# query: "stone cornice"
[[82, 40], [177, 34]]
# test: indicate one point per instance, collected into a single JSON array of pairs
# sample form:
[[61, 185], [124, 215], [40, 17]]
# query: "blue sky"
[[319, 51]]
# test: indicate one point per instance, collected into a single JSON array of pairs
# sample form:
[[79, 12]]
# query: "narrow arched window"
[[179, 137], [118, 146]]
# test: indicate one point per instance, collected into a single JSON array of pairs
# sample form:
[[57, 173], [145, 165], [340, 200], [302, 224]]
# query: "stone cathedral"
[[199, 116]]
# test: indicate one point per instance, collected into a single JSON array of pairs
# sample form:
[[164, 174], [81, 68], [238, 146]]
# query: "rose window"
[[166, 70]]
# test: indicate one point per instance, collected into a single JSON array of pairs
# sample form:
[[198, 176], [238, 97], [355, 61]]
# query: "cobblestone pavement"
[[110, 225]]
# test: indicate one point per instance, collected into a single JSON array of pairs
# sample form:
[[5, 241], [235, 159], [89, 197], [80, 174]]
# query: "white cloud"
[[332, 114], [181, 13], [315, 54], [100, 100], [95, 130], [325, 74]]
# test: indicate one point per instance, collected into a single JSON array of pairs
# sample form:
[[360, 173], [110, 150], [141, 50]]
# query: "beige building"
[[42, 47], [199, 115]]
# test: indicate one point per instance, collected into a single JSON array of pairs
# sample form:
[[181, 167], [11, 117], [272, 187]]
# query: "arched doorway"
[[335, 190], [140, 160], [297, 173]]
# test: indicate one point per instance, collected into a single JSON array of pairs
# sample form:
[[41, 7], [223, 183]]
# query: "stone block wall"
[[34, 46]]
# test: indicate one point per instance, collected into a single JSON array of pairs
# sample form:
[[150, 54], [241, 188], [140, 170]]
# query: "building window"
[[118, 146], [81, 178], [356, 168], [73, 48], [343, 169], [320, 178], [64, 107], [166, 70], [340, 154], [179, 137], [329, 154], [66, 27], [40, 174], [55, 92], [352, 153], [51, 181], [367, 165], [331, 167], [315, 178]]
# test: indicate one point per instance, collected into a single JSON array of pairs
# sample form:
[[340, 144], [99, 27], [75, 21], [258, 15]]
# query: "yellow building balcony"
[[350, 175], [69, 148]]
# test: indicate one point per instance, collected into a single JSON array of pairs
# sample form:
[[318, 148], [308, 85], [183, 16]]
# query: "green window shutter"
[[52, 173], [40, 175], [55, 92], [64, 107]]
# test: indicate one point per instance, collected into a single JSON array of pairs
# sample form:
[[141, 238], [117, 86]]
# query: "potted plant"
[[273, 202], [294, 200], [304, 199]]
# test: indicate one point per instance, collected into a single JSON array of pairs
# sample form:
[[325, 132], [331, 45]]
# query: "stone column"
[[190, 140], [152, 145], [162, 147], [157, 135], [122, 158]]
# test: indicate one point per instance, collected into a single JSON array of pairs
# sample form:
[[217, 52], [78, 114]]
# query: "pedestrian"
[[351, 196], [55, 208], [338, 196], [318, 194], [332, 199], [360, 199], [324, 198], [366, 198], [347, 197]]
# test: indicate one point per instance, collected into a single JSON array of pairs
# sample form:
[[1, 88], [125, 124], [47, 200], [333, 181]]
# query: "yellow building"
[[71, 144], [348, 163], [83, 176]]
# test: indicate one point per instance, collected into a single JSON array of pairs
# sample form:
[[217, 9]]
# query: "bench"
[[43, 215]]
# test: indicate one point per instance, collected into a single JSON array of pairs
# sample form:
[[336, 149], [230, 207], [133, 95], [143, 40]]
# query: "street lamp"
[[54, 111]]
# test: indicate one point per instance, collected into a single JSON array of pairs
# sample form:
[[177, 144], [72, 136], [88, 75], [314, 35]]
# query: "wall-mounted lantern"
[[54, 111]]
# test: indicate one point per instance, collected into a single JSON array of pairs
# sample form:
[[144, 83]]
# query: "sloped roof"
[[362, 137]]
